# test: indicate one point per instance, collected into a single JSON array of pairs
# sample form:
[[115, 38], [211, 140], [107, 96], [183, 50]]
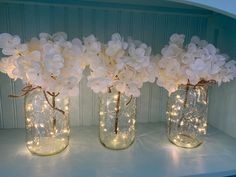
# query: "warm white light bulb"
[[29, 107], [116, 97]]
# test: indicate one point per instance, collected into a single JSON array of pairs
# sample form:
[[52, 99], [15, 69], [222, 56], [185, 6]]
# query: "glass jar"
[[47, 123], [187, 115], [117, 120]]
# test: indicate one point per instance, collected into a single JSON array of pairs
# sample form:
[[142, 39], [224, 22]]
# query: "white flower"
[[116, 46], [59, 37], [35, 74], [17, 50], [91, 44], [133, 90], [121, 65], [50, 62], [187, 58], [198, 61], [45, 36], [211, 49], [139, 56], [24, 63], [147, 74], [53, 59], [7, 65], [69, 86], [200, 43], [198, 65], [99, 84], [8, 41], [11, 45], [171, 51], [195, 40], [177, 39], [192, 76], [229, 71]]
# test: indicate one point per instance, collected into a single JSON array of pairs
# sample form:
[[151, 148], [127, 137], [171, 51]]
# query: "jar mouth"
[[201, 83], [187, 115], [190, 86]]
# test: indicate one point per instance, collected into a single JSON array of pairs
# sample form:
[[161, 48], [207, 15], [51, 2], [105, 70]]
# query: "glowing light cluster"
[[124, 136], [187, 116], [44, 136]]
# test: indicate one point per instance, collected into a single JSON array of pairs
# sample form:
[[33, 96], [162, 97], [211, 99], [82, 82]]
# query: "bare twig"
[[200, 83], [24, 91], [185, 102], [51, 105], [129, 100], [117, 110]]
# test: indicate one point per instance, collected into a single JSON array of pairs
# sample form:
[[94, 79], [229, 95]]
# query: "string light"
[[48, 129], [125, 130], [29, 107], [102, 124], [187, 113], [66, 131]]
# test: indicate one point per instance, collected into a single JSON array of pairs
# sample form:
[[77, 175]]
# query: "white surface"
[[150, 155]]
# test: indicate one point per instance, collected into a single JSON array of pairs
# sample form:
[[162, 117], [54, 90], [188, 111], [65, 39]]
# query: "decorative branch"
[[25, 91], [52, 105], [117, 110], [129, 100], [185, 102], [54, 116], [109, 89], [200, 83]]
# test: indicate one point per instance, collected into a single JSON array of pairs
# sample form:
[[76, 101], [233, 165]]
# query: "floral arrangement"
[[119, 64], [56, 65], [49, 62], [197, 62]]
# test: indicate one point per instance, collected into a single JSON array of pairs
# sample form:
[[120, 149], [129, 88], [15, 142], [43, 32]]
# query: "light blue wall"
[[222, 108], [152, 25]]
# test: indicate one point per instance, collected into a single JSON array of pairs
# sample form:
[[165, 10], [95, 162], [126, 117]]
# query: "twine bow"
[[29, 88]]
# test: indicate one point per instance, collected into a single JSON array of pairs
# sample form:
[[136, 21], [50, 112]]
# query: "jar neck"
[[193, 87]]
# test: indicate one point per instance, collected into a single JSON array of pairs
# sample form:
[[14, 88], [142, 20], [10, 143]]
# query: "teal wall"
[[222, 108], [151, 24]]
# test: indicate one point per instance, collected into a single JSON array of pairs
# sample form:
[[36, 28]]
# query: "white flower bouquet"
[[121, 65], [49, 62], [197, 62]]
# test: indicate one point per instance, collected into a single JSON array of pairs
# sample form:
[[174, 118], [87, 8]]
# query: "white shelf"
[[150, 155], [226, 7]]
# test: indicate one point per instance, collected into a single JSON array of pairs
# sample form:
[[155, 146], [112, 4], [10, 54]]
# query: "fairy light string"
[[201, 83], [29, 88]]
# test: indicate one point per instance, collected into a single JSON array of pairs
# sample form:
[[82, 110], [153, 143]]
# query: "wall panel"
[[222, 108], [152, 26]]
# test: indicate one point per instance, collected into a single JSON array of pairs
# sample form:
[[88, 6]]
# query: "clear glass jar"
[[47, 123], [187, 115], [117, 120]]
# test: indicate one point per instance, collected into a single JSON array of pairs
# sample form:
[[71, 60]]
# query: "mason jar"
[[47, 122], [187, 115], [117, 120]]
